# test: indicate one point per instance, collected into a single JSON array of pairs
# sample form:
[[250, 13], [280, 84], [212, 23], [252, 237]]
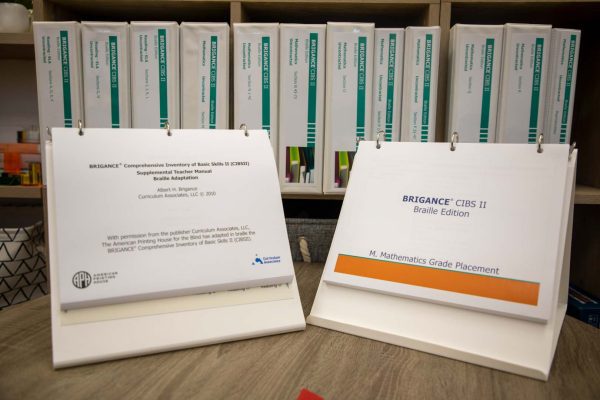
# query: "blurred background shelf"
[[20, 192], [16, 46], [587, 195]]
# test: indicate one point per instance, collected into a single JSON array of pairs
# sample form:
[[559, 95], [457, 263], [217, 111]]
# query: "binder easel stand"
[[114, 331], [510, 344]]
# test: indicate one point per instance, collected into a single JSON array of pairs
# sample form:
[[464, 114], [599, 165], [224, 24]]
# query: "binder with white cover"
[[131, 306], [368, 290]]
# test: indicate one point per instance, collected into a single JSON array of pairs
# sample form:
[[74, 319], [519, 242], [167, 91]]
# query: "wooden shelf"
[[16, 38], [16, 45], [311, 196], [20, 192], [587, 195]]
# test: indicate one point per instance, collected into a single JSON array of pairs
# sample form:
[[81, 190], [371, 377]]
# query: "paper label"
[[144, 215], [462, 228]]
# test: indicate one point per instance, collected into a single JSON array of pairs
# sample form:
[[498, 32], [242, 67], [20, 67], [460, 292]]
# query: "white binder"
[[510, 344], [105, 332]]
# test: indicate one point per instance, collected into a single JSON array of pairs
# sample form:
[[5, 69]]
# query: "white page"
[[219, 225], [509, 201]]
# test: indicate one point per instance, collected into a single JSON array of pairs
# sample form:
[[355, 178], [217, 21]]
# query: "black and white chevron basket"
[[23, 273]]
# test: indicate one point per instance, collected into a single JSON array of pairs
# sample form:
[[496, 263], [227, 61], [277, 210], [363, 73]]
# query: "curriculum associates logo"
[[266, 260], [82, 279]]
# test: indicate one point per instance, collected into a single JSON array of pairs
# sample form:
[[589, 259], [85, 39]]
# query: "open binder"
[[113, 331], [506, 343]]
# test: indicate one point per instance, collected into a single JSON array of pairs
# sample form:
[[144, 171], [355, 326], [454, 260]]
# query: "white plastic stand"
[[126, 330], [513, 345]]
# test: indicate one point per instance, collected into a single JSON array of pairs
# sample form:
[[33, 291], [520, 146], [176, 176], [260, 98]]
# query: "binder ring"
[[571, 148], [80, 127], [540, 142], [168, 128], [244, 127], [453, 141], [48, 133], [378, 145]]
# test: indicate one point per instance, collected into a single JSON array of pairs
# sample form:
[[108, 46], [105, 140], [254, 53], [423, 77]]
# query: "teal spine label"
[[361, 88], [113, 49], [162, 76], [266, 83], [66, 78], [389, 106], [484, 124], [426, 88], [535, 90], [568, 84], [212, 116], [312, 89]]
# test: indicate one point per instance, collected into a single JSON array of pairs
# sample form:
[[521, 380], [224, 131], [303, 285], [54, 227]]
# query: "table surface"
[[332, 364]]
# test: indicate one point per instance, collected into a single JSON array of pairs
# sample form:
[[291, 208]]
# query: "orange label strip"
[[451, 281]]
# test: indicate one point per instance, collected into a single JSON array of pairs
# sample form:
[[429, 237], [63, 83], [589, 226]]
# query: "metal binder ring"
[[571, 148], [168, 128], [540, 142], [453, 141], [378, 145], [244, 127], [80, 126]]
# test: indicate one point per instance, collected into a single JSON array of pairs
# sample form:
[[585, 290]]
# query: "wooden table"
[[332, 364]]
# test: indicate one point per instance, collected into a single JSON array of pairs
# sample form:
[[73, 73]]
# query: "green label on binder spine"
[[426, 88], [113, 51], [266, 84], [361, 88], [212, 117], [66, 78], [312, 89], [535, 90], [391, 75], [162, 76], [487, 89]]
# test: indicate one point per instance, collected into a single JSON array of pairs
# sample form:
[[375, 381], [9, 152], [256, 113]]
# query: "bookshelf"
[[389, 13]]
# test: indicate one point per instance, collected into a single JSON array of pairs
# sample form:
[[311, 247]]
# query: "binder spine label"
[[114, 81], [312, 89], [389, 110], [487, 90], [361, 88], [266, 83], [535, 90], [426, 88], [66, 78], [568, 85], [212, 118], [162, 76]]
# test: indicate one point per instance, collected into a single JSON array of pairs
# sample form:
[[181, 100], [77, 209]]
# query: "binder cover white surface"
[[515, 345], [114, 331]]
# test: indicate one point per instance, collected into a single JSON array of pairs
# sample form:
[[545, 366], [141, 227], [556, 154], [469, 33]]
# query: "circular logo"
[[82, 279]]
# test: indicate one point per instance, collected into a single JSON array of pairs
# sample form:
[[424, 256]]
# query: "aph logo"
[[82, 279]]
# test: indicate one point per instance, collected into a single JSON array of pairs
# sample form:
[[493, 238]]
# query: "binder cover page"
[[144, 215], [477, 227]]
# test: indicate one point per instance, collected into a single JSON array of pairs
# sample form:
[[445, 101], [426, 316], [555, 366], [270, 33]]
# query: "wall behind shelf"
[[18, 97]]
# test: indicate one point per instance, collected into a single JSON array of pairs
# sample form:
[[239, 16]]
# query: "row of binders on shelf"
[[509, 83], [317, 89]]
